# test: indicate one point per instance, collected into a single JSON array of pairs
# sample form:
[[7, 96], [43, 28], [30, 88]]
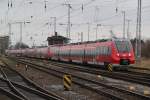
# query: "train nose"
[[124, 55]]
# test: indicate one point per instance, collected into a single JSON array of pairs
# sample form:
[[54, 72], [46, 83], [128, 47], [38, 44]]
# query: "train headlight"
[[118, 54], [129, 54]]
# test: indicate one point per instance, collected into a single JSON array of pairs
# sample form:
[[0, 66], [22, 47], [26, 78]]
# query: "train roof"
[[89, 42]]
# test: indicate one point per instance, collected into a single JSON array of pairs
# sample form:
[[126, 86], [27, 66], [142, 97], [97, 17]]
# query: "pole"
[[140, 8], [96, 31], [20, 34], [78, 37], [137, 27], [88, 31], [81, 37], [20, 23], [9, 25], [128, 27], [69, 6], [124, 18], [68, 26], [138, 31], [54, 24]]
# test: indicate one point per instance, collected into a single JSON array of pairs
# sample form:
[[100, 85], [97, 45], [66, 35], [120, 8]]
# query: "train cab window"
[[122, 46]]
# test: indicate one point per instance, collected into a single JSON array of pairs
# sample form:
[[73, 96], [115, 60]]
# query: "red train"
[[110, 53]]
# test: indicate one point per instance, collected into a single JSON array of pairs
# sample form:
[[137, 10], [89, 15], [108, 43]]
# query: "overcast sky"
[[94, 12]]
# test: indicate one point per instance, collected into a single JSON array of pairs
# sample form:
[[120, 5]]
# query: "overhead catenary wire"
[[36, 23]]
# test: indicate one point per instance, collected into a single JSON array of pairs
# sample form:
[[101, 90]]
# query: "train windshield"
[[123, 46]]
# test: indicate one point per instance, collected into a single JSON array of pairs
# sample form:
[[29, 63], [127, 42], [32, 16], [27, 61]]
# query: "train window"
[[73, 52], [81, 52], [102, 50], [87, 52], [106, 50], [109, 50], [90, 52], [98, 49], [94, 52], [77, 52], [123, 46]]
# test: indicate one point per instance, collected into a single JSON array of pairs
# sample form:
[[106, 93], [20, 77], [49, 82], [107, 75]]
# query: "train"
[[112, 53]]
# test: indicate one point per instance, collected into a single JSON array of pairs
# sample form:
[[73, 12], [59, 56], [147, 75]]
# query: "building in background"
[[4, 43], [57, 39]]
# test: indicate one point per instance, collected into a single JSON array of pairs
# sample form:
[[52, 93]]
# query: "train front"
[[124, 54]]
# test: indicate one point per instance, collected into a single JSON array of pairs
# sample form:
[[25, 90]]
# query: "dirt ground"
[[144, 63]]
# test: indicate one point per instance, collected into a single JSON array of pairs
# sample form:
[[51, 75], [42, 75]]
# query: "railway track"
[[140, 71], [132, 70], [21, 88], [131, 76], [97, 86], [136, 77], [7, 89]]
